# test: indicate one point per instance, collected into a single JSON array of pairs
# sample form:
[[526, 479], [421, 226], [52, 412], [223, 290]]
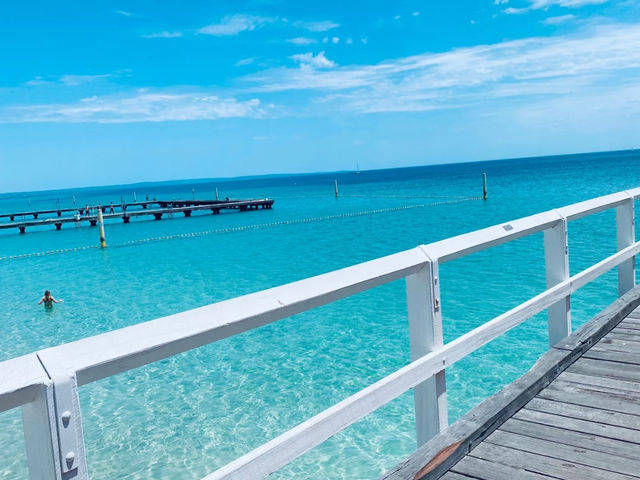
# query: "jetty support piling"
[[103, 241], [335, 188], [484, 186]]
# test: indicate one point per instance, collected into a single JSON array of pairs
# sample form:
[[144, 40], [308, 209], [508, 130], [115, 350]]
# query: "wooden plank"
[[628, 331], [595, 380], [560, 451], [622, 337], [573, 438], [455, 476], [486, 470], [613, 356], [564, 469], [590, 414], [607, 369], [626, 324], [593, 331], [472, 428], [585, 426], [591, 398]]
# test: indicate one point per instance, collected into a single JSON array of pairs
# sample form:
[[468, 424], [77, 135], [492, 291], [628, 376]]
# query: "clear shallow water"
[[183, 417]]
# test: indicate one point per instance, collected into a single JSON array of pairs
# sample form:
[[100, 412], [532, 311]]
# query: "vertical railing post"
[[41, 436], [63, 407], [626, 236], [556, 255], [425, 330]]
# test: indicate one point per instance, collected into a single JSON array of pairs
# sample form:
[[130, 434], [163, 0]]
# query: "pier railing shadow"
[[45, 383]]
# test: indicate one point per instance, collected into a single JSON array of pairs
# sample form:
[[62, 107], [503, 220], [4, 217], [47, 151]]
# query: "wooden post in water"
[[216, 193], [134, 197], [103, 242], [484, 186], [335, 182]]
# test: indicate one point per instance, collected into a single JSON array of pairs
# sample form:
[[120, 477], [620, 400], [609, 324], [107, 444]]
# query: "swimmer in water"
[[48, 300]]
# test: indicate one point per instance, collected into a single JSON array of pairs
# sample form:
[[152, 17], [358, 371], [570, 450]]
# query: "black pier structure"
[[155, 208]]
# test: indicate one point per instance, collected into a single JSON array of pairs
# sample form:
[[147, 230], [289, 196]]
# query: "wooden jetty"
[[126, 212], [574, 415]]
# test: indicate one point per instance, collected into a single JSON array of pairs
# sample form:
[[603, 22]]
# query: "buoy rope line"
[[242, 228]]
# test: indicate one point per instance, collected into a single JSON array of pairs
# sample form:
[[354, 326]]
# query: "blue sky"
[[107, 92]]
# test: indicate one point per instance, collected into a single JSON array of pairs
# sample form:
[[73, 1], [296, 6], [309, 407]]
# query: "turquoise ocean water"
[[183, 417]]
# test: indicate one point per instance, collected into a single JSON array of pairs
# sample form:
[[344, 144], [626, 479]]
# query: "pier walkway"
[[575, 415], [125, 213]]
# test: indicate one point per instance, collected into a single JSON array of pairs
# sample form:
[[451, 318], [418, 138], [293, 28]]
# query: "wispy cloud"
[[123, 13], [163, 34], [140, 107], [321, 26], [234, 24], [534, 66], [537, 4], [302, 40], [317, 61], [558, 20], [72, 80], [545, 4], [245, 61]]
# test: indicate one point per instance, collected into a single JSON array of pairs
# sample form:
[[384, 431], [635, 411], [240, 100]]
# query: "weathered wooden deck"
[[575, 415]]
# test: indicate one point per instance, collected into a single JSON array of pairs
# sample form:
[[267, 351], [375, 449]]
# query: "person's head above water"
[[47, 293]]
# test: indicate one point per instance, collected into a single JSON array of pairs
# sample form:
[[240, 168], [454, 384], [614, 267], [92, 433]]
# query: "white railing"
[[46, 383]]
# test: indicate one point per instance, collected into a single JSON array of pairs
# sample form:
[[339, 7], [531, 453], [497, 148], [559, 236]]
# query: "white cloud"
[[123, 13], [318, 61], [234, 24], [163, 34], [321, 26], [75, 80], [141, 107], [537, 4], [71, 80], [415, 14], [302, 40], [545, 4], [245, 61], [460, 77], [335, 40], [558, 20]]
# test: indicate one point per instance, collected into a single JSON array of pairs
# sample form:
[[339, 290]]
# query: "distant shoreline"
[[258, 177]]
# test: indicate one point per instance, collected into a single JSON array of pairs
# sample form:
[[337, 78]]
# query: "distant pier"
[[125, 211]]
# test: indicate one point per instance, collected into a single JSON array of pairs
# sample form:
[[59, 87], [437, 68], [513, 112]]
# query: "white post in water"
[[484, 186], [626, 236], [103, 242], [335, 190], [425, 332], [556, 256], [216, 193], [134, 197]]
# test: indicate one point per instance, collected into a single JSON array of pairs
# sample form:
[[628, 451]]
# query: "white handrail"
[[276, 453], [45, 383]]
